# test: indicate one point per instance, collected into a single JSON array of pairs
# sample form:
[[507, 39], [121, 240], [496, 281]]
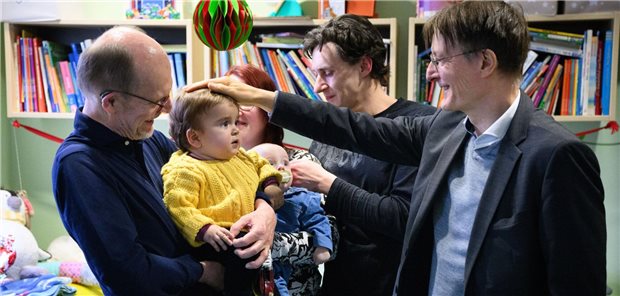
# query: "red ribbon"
[[35, 131], [613, 125]]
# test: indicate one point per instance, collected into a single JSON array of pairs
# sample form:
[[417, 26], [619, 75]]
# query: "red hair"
[[258, 78]]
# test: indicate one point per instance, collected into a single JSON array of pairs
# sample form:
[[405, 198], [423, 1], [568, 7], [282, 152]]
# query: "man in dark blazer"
[[506, 201]]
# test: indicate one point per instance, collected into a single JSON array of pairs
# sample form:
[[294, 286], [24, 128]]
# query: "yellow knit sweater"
[[200, 192]]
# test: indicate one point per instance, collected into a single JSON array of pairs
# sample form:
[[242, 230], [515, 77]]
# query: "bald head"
[[122, 58]]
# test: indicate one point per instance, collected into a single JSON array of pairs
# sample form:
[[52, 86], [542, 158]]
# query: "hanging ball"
[[223, 24]]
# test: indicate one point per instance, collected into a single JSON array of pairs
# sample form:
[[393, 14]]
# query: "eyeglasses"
[[246, 108], [436, 61], [161, 103]]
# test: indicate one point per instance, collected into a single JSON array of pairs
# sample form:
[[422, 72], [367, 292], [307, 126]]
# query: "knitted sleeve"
[[263, 167], [181, 195]]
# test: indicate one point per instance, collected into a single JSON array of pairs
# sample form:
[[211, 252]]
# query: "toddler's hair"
[[187, 111]]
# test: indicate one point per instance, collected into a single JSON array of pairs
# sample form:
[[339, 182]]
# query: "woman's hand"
[[261, 224], [311, 175]]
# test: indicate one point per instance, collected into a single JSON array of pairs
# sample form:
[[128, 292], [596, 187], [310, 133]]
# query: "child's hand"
[[218, 237], [321, 255], [276, 195]]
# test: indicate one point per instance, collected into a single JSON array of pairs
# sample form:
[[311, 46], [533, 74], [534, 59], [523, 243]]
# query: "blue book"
[[179, 67], [606, 78], [529, 74], [305, 85], [268, 66]]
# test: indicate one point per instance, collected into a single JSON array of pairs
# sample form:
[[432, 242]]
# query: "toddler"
[[211, 181]]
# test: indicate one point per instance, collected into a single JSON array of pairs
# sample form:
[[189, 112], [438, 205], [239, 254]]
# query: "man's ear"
[[489, 62], [366, 65], [108, 103], [192, 138]]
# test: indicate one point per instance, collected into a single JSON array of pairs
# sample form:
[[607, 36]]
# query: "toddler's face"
[[218, 135]]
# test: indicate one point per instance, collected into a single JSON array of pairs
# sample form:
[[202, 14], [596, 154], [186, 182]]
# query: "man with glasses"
[[107, 183], [369, 198], [506, 200]]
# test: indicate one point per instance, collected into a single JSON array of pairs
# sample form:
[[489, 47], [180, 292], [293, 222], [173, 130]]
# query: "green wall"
[[33, 157]]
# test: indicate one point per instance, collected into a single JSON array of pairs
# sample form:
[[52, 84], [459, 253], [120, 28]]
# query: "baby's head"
[[278, 158], [204, 124]]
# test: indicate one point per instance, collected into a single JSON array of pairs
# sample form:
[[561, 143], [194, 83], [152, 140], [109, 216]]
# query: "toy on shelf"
[[223, 25], [152, 9]]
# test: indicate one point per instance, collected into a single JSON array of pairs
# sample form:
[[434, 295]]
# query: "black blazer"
[[540, 225]]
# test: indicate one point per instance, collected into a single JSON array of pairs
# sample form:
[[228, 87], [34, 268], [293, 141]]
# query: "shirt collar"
[[99, 133], [498, 129]]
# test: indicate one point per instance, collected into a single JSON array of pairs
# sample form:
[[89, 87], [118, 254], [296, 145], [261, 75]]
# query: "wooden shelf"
[[66, 32], [575, 23], [301, 25]]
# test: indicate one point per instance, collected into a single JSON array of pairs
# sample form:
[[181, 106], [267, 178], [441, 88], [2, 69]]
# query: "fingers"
[[219, 238], [206, 83], [258, 262]]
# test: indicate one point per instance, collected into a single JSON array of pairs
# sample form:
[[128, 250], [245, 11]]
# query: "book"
[[555, 49], [531, 57], [67, 83], [551, 87], [543, 87], [585, 74], [606, 75], [599, 72], [279, 45], [175, 85], [556, 35], [179, 68], [297, 76], [566, 78]]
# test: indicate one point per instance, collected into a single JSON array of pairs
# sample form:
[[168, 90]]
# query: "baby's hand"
[[276, 195], [321, 255], [218, 237]]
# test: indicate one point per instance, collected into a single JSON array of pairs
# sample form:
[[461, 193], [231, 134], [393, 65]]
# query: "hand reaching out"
[[311, 175], [218, 237]]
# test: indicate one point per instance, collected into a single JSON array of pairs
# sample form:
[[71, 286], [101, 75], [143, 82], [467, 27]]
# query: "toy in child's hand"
[[222, 24]]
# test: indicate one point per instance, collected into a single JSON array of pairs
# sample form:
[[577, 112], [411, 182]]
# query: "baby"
[[211, 181], [301, 212]]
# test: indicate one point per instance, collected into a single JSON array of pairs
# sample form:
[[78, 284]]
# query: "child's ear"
[[192, 138]]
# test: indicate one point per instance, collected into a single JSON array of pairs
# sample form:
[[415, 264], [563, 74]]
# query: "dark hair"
[[187, 110], [258, 78], [107, 66], [493, 25], [354, 37]]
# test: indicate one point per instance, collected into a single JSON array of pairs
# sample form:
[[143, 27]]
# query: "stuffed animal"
[[18, 247]]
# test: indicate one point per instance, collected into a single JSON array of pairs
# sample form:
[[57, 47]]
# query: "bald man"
[[107, 183]]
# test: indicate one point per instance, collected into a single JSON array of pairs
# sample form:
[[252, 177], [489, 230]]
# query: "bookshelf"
[[301, 25], [176, 34], [573, 23]]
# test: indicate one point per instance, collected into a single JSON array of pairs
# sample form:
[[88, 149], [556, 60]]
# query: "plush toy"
[[18, 247], [23, 265]]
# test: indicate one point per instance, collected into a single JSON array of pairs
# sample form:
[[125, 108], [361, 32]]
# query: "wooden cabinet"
[[573, 23], [179, 33], [301, 25]]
